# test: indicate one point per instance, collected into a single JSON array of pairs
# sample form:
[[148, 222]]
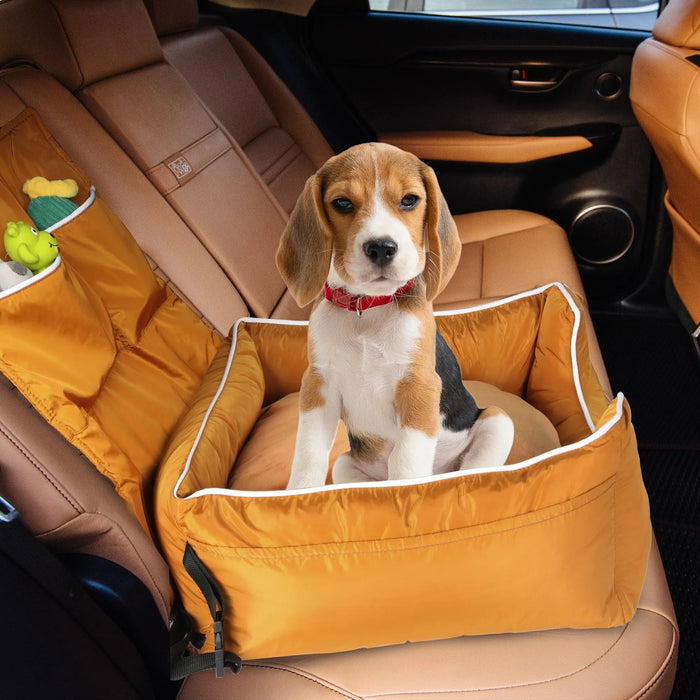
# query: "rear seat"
[[61, 497], [186, 152], [251, 102], [156, 117], [35, 35], [232, 79], [504, 252]]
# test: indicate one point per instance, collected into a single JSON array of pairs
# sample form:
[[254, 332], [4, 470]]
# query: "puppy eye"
[[409, 202], [343, 205]]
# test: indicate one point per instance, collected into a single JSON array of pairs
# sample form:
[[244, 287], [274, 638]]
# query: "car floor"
[[651, 359]]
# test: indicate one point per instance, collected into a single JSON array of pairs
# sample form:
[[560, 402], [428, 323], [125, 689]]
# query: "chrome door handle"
[[535, 78]]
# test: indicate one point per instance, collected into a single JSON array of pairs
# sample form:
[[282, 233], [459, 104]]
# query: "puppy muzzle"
[[380, 251]]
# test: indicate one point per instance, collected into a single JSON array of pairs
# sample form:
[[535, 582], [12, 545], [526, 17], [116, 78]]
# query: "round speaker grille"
[[608, 86], [602, 234]]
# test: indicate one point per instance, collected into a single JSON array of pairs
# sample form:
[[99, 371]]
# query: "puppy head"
[[369, 220]]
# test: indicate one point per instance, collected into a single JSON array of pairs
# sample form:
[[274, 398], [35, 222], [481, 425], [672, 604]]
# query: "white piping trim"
[[384, 484], [40, 275], [574, 359], [33, 279], [501, 302], [76, 212], [606, 427], [271, 322]]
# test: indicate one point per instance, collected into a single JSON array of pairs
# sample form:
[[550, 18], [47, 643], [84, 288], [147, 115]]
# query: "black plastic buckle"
[[219, 645]]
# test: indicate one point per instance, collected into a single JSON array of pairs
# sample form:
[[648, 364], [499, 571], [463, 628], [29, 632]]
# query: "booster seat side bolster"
[[227, 404], [281, 346]]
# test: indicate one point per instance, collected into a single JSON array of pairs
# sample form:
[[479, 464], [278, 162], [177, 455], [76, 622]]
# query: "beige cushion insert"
[[265, 460]]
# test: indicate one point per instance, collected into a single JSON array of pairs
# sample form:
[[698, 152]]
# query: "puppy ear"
[[443, 244], [304, 253]]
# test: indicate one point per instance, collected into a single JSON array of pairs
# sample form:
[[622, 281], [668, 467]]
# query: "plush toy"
[[12, 273], [50, 200], [34, 249]]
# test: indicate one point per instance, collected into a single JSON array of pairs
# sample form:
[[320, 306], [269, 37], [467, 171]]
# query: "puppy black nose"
[[380, 250]]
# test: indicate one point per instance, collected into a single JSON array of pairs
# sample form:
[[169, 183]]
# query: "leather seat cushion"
[[547, 665]]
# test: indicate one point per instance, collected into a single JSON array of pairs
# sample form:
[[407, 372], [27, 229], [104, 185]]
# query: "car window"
[[622, 14]]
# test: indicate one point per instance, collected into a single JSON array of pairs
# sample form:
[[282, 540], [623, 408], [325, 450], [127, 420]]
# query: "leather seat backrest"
[[238, 85], [41, 40], [60, 495], [32, 34], [157, 118], [665, 94]]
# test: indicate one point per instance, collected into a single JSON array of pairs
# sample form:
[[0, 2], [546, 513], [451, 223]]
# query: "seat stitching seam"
[[21, 449], [524, 685], [558, 678], [283, 154], [667, 663], [306, 677]]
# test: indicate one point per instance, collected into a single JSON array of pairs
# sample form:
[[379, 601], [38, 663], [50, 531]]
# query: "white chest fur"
[[361, 359]]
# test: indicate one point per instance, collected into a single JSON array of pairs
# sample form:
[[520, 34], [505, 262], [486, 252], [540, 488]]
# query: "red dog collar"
[[343, 299]]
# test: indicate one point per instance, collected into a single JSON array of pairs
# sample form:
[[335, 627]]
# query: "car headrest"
[[679, 24], [109, 37], [31, 32], [172, 16]]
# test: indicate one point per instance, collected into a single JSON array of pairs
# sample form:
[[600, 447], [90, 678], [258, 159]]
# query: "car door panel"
[[446, 87]]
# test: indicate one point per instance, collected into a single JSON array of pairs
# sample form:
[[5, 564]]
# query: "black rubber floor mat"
[[672, 478], [652, 361], [680, 552]]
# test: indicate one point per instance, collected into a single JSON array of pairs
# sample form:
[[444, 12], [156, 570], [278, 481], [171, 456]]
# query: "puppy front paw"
[[413, 455], [307, 477]]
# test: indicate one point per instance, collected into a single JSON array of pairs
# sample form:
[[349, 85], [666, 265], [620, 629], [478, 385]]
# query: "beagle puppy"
[[371, 241]]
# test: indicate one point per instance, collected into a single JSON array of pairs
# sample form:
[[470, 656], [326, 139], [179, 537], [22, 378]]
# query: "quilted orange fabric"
[[97, 343], [560, 540]]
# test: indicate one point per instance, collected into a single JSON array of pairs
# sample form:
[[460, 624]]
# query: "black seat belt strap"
[[219, 659]]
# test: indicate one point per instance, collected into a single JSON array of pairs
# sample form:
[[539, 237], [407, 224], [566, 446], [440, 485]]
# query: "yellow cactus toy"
[[41, 187], [50, 200], [34, 249]]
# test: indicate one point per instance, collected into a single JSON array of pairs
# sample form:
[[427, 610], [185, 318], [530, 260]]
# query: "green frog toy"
[[33, 249]]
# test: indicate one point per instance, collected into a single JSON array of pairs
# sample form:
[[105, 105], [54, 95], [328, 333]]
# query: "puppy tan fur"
[[371, 241]]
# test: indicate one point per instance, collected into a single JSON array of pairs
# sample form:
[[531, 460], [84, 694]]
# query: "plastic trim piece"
[[470, 146]]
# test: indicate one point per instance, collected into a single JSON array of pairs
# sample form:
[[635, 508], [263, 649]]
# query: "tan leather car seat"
[[503, 251], [69, 505], [252, 103], [31, 35], [198, 168], [223, 198], [665, 95]]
